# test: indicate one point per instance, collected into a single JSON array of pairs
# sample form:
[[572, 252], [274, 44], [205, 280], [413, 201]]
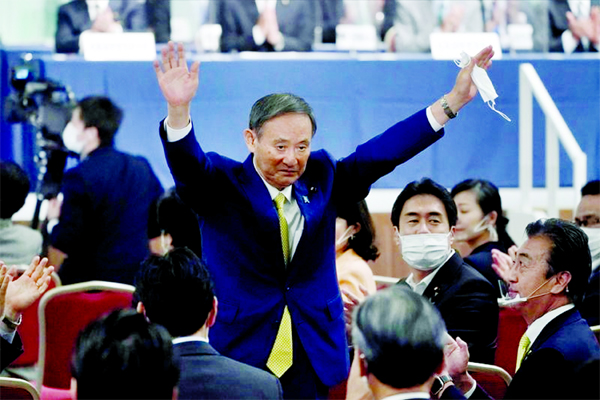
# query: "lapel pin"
[[305, 198]]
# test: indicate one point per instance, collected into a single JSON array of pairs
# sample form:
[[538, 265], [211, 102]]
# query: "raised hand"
[[177, 84], [4, 280], [25, 290], [464, 89], [502, 262]]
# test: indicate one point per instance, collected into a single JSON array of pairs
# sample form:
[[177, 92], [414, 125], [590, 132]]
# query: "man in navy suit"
[[268, 224], [574, 26], [176, 292], [549, 276], [102, 232]]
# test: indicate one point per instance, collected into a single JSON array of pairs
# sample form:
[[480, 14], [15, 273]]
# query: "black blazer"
[[296, 21], [557, 18], [9, 352], [590, 306], [74, 18], [205, 374], [481, 259], [469, 306]]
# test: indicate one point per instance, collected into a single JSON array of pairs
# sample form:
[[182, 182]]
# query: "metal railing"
[[557, 132]]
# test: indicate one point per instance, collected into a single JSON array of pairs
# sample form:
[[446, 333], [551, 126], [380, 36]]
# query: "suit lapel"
[[552, 327], [445, 277]]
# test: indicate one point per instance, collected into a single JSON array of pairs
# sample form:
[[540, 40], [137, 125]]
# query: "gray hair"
[[276, 104], [401, 335]]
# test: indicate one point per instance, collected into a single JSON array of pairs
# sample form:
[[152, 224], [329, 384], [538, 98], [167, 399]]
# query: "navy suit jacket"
[[557, 15], [74, 18], [481, 259], [590, 306], [205, 374], [103, 225], [469, 306], [241, 242], [296, 21]]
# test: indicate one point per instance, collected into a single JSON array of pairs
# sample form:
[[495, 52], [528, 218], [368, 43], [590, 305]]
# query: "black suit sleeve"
[[9, 352], [159, 18], [72, 20], [303, 25], [237, 19]]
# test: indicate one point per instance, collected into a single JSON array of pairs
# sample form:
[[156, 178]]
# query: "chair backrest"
[[511, 326], [492, 378], [63, 313], [17, 389], [29, 330]]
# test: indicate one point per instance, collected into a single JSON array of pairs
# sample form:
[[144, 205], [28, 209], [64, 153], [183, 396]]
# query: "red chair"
[[29, 329], [17, 389], [492, 378], [63, 313], [511, 326]]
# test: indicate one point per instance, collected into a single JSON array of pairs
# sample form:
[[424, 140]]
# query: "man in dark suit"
[[176, 292], [102, 232], [549, 275], [574, 30], [268, 224], [424, 216], [391, 330], [269, 25], [113, 16], [123, 356]]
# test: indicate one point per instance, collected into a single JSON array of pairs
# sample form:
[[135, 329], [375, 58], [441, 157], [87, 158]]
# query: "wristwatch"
[[10, 323], [438, 384]]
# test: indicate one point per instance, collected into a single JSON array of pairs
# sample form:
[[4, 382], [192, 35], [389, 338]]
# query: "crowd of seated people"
[[284, 25]]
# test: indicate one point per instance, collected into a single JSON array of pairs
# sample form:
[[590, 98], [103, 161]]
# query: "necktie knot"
[[279, 201]]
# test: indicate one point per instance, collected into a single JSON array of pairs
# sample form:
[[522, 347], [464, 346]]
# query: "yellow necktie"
[[281, 357], [523, 348]]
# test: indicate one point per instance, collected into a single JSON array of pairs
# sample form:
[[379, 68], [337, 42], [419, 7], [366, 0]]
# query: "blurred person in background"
[[18, 243], [416, 20], [481, 225], [354, 247], [574, 25], [267, 25]]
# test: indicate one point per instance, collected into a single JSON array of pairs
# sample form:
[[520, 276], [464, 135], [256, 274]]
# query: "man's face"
[[588, 212], [423, 213], [528, 272], [282, 150]]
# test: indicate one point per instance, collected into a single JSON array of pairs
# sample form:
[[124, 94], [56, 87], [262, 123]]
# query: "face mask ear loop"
[[492, 105]]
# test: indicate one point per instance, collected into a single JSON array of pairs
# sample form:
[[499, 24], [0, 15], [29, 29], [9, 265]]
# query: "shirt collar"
[[536, 327], [410, 395], [273, 191], [185, 339], [420, 287]]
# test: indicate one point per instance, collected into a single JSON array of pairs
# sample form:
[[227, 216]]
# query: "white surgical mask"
[[481, 226], [483, 82], [427, 251], [70, 139], [593, 235]]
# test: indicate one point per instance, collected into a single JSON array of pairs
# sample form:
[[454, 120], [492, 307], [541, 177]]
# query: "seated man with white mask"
[[424, 216]]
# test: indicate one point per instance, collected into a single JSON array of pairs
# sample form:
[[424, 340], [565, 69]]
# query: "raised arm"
[[464, 89], [177, 84]]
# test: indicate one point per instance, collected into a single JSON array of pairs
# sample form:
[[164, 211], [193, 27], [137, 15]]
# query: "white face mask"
[[425, 252], [593, 235], [69, 136], [481, 226]]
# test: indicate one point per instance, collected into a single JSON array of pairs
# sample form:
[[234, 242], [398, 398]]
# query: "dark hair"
[[14, 188], [123, 356], [401, 335], [101, 113], [176, 291], [424, 186], [362, 242], [273, 105], [488, 199], [569, 251], [591, 188], [180, 221]]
